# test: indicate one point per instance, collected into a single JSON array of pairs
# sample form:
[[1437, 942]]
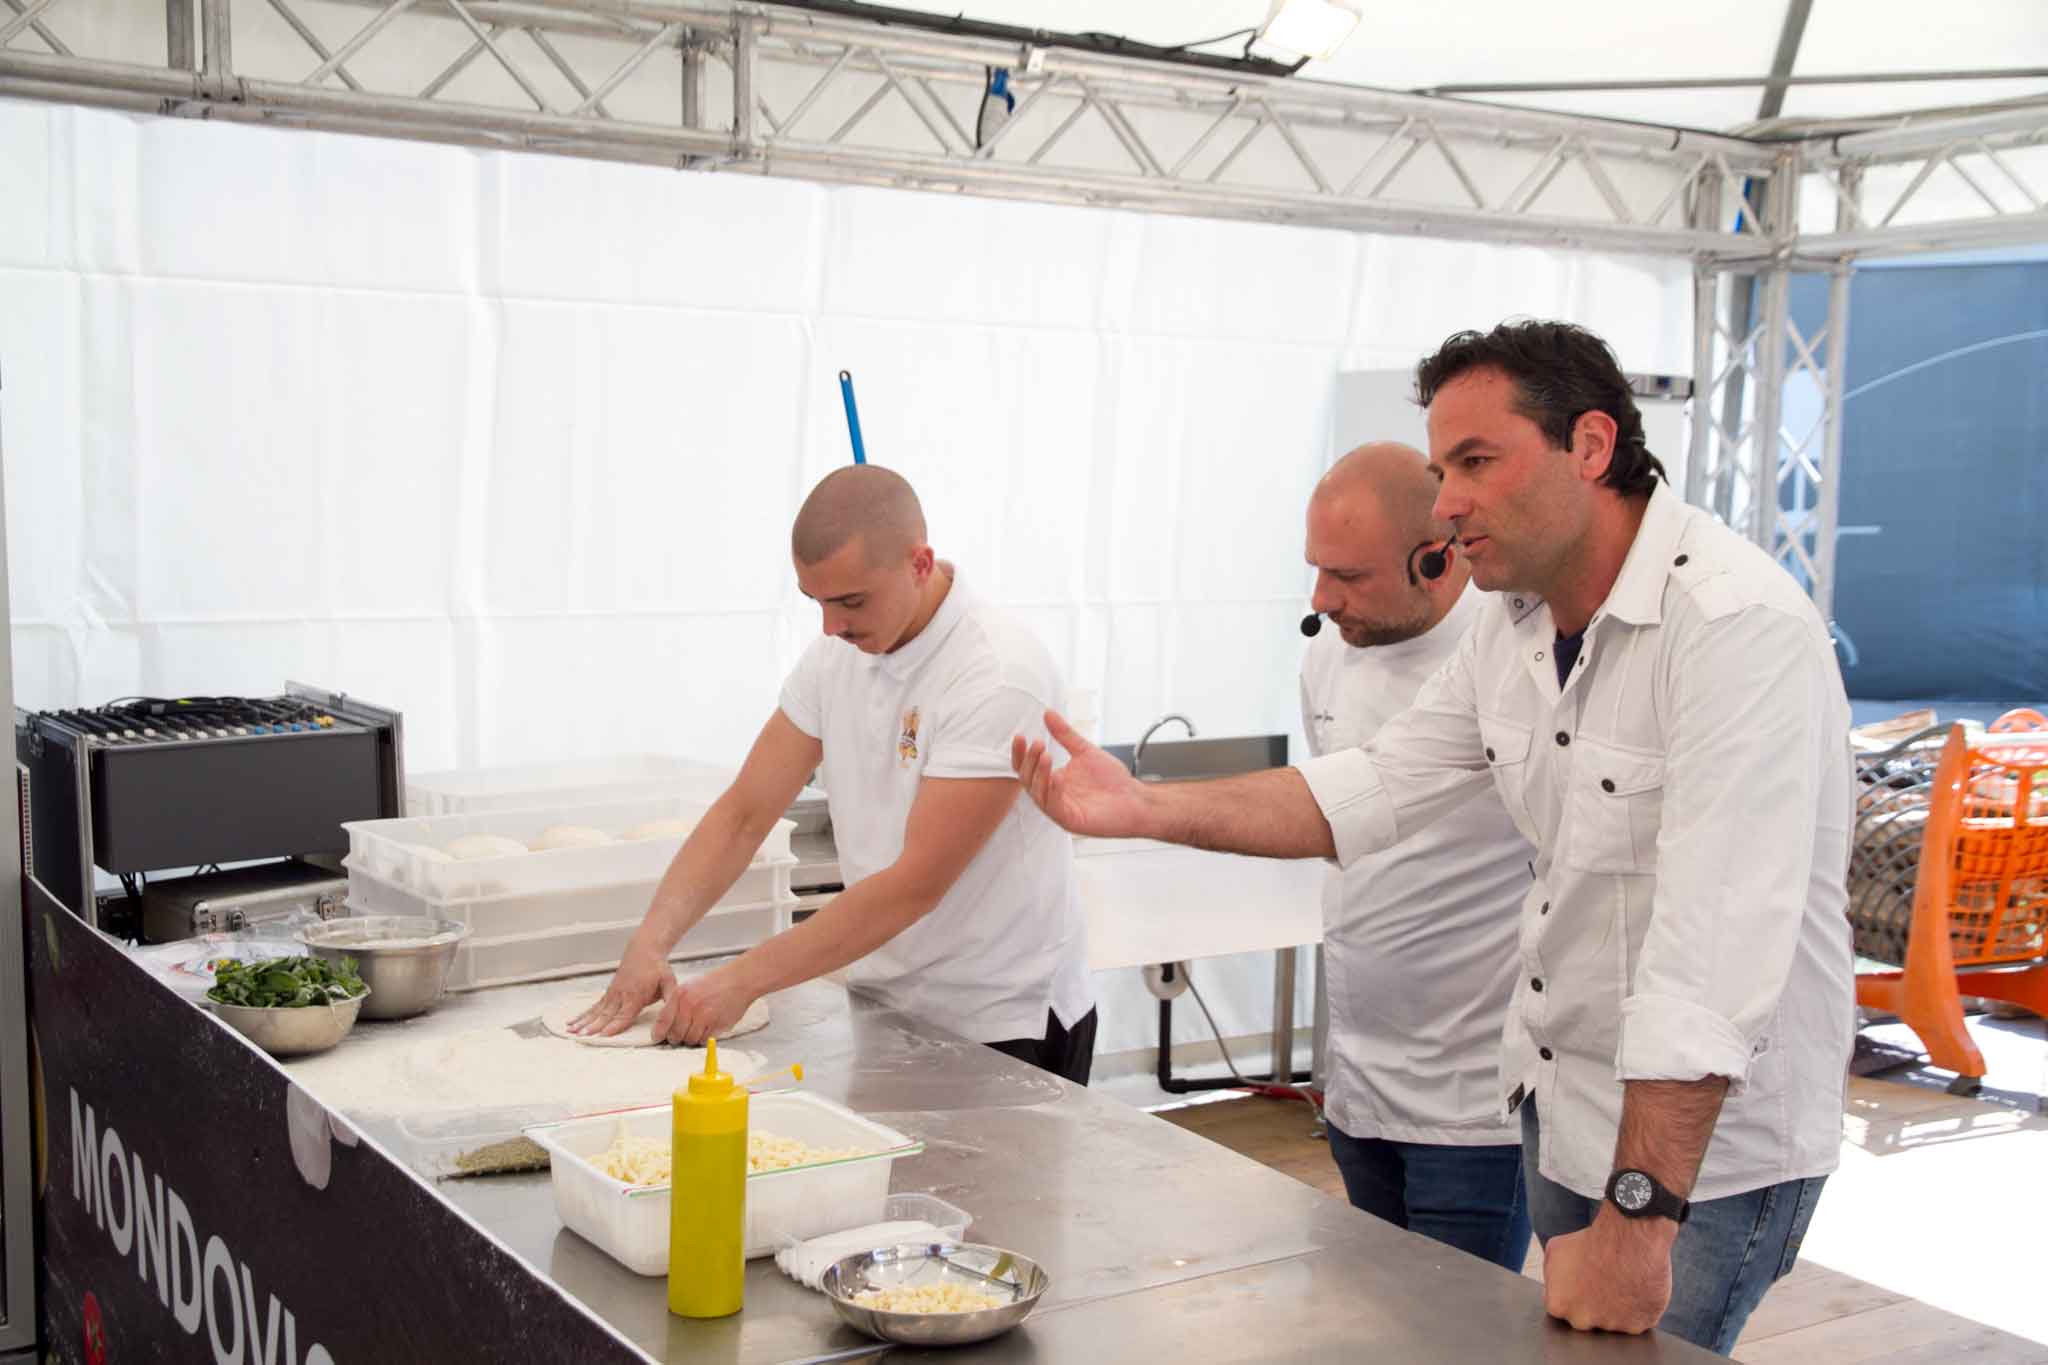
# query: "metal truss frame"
[[821, 97], [1772, 476], [2001, 157], [774, 90]]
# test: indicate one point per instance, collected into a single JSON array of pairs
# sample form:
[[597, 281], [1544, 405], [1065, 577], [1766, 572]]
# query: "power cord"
[[1250, 36], [1280, 1065]]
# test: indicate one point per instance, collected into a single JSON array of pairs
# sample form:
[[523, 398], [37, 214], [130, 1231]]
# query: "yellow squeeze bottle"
[[708, 1194]]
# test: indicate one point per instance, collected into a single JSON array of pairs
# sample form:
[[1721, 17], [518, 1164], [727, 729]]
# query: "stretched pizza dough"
[[556, 1017]]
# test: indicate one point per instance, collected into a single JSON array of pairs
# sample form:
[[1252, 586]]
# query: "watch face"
[[1632, 1191]]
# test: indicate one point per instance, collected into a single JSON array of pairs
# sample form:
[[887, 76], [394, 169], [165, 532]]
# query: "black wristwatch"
[[1638, 1195]]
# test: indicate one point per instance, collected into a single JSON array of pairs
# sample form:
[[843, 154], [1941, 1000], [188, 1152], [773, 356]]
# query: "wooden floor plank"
[[1810, 1295], [1902, 1333]]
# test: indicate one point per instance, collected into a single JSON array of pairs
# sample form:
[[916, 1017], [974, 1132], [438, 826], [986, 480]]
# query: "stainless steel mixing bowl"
[[292, 1032], [970, 1265], [404, 959]]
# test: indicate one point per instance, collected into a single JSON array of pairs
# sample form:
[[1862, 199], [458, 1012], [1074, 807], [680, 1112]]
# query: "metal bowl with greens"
[[285, 982], [289, 1006]]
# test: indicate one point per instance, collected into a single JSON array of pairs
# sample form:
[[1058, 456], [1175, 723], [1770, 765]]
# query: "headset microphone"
[[1432, 562]]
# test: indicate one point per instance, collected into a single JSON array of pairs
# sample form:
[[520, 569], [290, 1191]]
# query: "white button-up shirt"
[[1689, 794], [1419, 939]]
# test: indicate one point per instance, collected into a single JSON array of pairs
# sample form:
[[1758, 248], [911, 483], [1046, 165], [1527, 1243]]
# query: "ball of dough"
[[482, 846], [428, 853], [660, 829], [569, 836]]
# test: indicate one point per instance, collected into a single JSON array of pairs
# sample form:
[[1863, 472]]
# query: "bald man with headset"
[[961, 905], [1418, 940]]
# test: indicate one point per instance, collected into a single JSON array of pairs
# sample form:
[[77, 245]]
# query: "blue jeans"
[[1728, 1253], [1466, 1197]]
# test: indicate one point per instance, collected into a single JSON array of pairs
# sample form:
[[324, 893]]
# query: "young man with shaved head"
[[1657, 704], [960, 904], [1418, 940]]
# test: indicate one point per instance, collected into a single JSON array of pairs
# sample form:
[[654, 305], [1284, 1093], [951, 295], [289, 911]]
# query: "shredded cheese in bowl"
[[927, 1298], [769, 1152], [640, 1161], [635, 1160]]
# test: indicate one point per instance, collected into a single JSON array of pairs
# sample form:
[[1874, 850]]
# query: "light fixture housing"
[[1308, 28]]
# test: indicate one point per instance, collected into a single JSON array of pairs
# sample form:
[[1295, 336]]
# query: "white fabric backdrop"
[[512, 443]]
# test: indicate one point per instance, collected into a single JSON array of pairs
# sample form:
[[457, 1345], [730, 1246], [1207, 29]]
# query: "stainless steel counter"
[[1159, 1243]]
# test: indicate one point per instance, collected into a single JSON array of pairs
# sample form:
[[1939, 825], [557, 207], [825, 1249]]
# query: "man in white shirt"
[[1658, 705], [960, 904], [1418, 940]]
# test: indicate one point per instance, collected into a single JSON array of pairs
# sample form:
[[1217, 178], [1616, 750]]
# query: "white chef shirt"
[[1005, 942], [1419, 939], [1689, 795]]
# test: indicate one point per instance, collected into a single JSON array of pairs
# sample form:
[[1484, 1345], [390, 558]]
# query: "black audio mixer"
[[148, 720], [143, 784]]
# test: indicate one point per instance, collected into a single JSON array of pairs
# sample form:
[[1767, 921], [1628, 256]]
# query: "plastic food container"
[[951, 1220], [575, 948], [408, 853], [529, 912], [475, 1141], [535, 916], [575, 782], [630, 1224]]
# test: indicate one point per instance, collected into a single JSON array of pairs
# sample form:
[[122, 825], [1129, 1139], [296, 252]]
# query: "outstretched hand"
[[1091, 793]]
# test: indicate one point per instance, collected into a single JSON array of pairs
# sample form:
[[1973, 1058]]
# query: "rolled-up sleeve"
[[1735, 847], [1346, 786], [1422, 763]]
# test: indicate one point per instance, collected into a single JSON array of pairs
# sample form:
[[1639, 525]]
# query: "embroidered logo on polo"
[[906, 739]]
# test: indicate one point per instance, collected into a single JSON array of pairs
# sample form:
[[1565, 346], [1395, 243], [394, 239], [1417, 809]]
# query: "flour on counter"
[[494, 1067]]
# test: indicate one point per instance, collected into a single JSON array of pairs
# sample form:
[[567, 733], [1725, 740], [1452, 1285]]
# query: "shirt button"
[[1539, 656], [1536, 983], [1681, 560], [1607, 784], [1563, 738], [1518, 604], [1545, 910], [1545, 1053], [1489, 755]]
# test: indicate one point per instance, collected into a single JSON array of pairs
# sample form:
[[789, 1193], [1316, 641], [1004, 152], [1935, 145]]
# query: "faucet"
[[1138, 752]]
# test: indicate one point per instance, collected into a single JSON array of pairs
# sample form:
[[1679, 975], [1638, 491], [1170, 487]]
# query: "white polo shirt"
[[1006, 942], [1689, 794], [1418, 940]]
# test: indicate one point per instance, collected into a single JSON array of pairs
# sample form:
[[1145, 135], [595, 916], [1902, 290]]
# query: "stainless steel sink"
[[1189, 759]]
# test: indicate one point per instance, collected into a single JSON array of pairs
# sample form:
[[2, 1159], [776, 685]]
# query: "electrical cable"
[[1221, 37], [1276, 1086]]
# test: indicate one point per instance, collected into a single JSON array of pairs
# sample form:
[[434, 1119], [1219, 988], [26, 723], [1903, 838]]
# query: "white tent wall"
[[512, 442]]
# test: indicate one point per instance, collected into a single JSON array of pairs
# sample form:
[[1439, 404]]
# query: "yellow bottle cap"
[[711, 1083]]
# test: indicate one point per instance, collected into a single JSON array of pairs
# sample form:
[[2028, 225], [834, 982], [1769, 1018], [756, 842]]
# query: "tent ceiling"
[[1422, 44]]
